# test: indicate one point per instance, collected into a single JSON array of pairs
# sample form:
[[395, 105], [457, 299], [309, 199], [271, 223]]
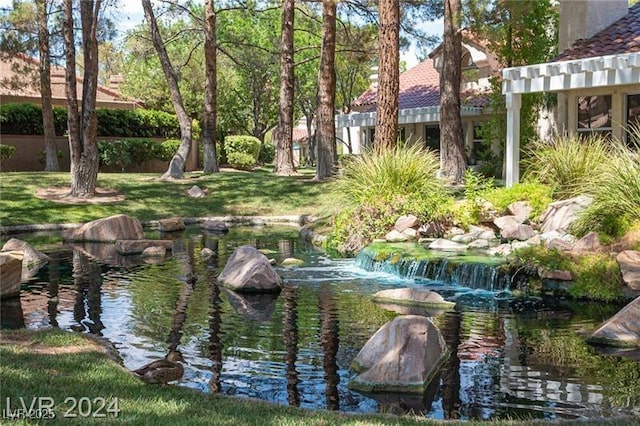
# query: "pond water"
[[510, 357]]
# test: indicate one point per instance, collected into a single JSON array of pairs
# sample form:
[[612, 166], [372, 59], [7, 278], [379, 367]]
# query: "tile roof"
[[623, 36]]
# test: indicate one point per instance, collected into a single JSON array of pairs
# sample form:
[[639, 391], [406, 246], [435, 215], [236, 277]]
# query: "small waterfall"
[[455, 270]]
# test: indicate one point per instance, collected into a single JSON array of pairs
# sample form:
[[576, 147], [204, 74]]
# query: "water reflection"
[[329, 339], [290, 336], [510, 358], [11, 314]]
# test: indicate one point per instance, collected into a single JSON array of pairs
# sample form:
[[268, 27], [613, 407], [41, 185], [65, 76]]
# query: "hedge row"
[[26, 119]]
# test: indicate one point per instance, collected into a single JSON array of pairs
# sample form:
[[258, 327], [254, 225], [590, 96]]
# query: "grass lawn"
[[60, 365], [147, 197]]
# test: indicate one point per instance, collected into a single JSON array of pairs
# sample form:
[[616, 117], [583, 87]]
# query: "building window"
[[633, 120], [594, 114], [432, 138]]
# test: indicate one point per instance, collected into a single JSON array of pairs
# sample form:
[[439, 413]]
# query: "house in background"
[[419, 102], [596, 75], [20, 83]]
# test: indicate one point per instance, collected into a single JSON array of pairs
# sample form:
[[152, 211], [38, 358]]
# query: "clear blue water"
[[511, 358]]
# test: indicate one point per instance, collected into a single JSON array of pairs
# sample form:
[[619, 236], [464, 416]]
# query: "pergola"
[[595, 72]]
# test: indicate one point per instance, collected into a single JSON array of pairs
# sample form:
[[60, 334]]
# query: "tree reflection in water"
[[329, 329], [215, 319], [290, 332], [87, 278]]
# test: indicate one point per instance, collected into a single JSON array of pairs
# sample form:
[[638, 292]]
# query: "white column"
[[514, 101]]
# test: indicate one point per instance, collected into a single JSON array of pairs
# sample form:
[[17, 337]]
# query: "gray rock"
[[518, 232], [129, 247], [154, 251], [501, 250], [206, 253], [431, 229], [109, 229], [32, 259], [171, 224], [404, 355], [478, 244], [551, 235], [406, 222], [623, 329], [446, 245], [215, 226], [411, 233], [517, 245], [503, 222], [463, 239], [629, 262], [559, 244], [196, 192], [534, 241], [10, 273], [292, 261], [590, 242], [561, 214], [521, 210], [248, 270], [488, 235], [476, 231], [395, 236], [455, 231], [412, 296]]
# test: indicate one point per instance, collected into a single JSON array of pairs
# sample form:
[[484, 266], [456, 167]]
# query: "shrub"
[[166, 149], [380, 186], [570, 165], [21, 119], [242, 144], [6, 151], [42, 157], [241, 160], [267, 153], [537, 194], [126, 152]]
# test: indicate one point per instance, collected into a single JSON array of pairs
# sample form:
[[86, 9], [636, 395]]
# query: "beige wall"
[[29, 148], [584, 18]]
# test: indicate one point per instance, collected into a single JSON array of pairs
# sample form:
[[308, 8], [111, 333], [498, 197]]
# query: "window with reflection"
[[633, 120], [594, 114]]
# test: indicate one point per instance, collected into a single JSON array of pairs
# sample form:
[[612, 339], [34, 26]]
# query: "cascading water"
[[456, 270]]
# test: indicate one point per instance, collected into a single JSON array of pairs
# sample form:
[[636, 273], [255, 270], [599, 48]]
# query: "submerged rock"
[[404, 355], [248, 270], [412, 296], [622, 330]]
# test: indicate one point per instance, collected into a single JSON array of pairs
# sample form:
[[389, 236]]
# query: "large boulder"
[[621, 330], [521, 210], [32, 259], [406, 222], [629, 262], [404, 355], [561, 214], [248, 270], [518, 232], [10, 273], [109, 229]]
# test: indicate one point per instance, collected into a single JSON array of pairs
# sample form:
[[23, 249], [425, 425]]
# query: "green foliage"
[[126, 152], [596, 276], [241, 160], [475, 186], [42, 157], [570, 165], [379, 186], [242, 144], [267, 153], [26, 119], [6, 151], [167, 149], [538, 196]]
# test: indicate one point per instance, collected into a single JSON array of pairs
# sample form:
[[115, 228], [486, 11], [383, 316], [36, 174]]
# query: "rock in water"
[[248, 270]]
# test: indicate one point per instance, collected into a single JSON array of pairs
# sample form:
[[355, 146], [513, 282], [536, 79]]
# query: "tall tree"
[[51, 152], [389, 74], [176, 166], [210, 95], [82, 124], [284, 131], [326, 136], [453, 158]]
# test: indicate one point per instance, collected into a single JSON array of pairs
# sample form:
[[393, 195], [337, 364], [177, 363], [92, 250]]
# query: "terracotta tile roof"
[[419, 87], [623, 36], [300, 134]]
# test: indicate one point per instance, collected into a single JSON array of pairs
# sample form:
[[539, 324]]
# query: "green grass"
[[147, 197], [41, 364]]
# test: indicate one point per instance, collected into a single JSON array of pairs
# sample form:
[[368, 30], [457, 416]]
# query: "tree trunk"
[[51, 152], [389, 75], [284, 131], [176, 166], [452, 144], [326, 132], [210, 90], [82, 126]]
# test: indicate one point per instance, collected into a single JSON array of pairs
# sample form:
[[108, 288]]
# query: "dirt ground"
[[60, 194]]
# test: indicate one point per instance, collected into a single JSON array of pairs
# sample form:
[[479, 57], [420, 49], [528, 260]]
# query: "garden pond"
[[511, 357]]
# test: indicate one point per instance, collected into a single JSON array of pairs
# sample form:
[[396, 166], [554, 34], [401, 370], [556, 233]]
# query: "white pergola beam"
[[514, 102]]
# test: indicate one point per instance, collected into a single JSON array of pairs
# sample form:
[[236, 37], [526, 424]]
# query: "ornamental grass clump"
[[572, 166], [378, 186]]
